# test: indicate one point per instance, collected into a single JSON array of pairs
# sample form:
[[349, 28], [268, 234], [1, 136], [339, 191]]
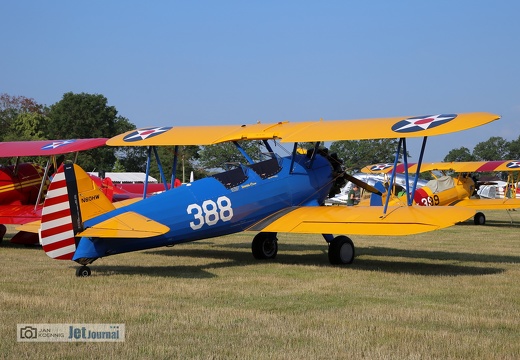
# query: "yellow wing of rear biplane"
[[309, 131], [474, 166], [362, 220], [488, 204], [459, 167]]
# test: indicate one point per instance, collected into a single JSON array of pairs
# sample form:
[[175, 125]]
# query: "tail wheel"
[[83, 271], [479, 219], [265, 246], [341, 251]]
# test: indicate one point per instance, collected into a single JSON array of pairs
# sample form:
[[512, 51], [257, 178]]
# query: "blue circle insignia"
[[421, 123], [143, 134]]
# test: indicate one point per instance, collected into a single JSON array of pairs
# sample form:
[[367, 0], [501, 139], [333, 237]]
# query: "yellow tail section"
[[92, 201]]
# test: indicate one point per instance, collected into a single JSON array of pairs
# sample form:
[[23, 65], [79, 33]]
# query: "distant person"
[[353, 196]]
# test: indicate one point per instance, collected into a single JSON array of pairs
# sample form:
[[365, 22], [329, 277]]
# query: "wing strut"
[[148, 160], [293, 157], [159, 165], [390, 185], [409, 195], [243, 152], [174, 165], [418, 171], [42, 184]]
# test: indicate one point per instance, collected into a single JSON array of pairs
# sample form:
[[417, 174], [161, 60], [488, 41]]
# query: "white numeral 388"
[[210, 212]]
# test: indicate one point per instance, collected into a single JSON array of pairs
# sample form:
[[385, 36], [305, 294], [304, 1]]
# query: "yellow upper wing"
[[359, 220], [309, 131]]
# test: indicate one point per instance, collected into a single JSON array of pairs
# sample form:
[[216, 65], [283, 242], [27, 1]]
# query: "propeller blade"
[[362, 184]]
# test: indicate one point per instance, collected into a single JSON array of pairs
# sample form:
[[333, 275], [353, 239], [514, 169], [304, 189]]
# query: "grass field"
[[449, 294]]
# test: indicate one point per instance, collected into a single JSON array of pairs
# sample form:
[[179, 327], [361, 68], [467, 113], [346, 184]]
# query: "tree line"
[[89, 116]]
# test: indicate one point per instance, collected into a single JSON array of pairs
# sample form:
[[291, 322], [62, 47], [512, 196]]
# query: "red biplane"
[[23, 185]]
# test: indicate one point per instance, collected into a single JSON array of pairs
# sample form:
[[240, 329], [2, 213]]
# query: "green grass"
[[449, 294]]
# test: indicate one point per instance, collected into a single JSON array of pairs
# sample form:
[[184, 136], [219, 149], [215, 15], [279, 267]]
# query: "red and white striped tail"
[[57, 232]]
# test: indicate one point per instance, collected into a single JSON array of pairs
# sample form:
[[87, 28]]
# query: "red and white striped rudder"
[[57, 230]]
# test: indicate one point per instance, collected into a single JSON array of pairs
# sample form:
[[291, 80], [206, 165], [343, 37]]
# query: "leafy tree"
[[118, 167], [460, 154], [30, 126], [514, 149], [87, 116], [358, 153], [495, 148], [216, 156], [132, 158], [11, 108]]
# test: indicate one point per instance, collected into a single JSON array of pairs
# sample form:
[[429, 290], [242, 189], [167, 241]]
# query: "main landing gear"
[[265, 246], [479, 219], [341, 248], [83, 271], [341, 251]]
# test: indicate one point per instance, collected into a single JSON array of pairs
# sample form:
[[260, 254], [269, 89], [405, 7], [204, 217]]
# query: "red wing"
[[19, 214], [48, 147]]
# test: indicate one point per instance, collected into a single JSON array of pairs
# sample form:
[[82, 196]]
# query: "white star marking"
[[423, 123], [143, 134]]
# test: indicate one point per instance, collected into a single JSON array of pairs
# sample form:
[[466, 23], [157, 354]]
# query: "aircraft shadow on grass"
[[231, 258], [494, 223]]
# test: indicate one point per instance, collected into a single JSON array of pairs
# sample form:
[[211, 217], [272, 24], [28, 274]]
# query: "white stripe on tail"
[[57, 232]]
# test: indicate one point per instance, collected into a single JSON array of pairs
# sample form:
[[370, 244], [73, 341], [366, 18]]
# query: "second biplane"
[[275, 194], [446, 190], [23, 184]]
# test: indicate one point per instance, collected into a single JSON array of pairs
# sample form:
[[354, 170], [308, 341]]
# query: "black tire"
[[341, 251], [3, 230], [479, 219], [83, 271], [265, 246]]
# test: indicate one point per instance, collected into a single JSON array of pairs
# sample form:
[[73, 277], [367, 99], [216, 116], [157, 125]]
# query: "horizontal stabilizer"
[[32, 227], [488, 204], [127, 225], [363, 220]]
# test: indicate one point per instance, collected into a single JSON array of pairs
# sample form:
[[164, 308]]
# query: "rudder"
[[72, 198]]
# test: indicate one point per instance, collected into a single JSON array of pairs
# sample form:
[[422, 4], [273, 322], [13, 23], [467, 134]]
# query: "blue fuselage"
[[210, 207]]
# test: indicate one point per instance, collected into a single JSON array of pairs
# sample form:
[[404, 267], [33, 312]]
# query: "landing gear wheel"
[[265, 246], [3, 230], [341, 251], [479, 219], [83, 271]]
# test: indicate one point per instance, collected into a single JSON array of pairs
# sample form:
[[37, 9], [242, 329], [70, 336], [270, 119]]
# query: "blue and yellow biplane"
[[276, 194]]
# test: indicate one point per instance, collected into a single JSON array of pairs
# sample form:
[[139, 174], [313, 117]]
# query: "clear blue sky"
[[235, 62]]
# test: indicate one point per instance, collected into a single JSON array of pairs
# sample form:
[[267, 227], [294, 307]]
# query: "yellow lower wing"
[[360, 220], [128, 225], [489, 204]]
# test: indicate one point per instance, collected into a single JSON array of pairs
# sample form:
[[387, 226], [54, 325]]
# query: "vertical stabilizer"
[[72, 198]]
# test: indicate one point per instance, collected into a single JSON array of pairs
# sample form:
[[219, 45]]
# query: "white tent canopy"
[[127, 177]]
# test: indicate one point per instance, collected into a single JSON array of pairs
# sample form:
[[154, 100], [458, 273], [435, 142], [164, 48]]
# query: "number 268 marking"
[[210, 212]]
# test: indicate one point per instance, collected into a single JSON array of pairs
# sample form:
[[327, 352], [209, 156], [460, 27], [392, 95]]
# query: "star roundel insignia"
[[513, 164], [57, 144], [143, 134], [380, 167], [421, 123]]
